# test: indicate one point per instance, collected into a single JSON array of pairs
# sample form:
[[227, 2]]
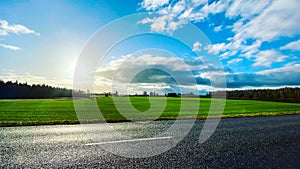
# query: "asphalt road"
[[258, 142]]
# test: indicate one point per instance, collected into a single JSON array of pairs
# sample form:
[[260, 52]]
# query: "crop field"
[[52, 111]]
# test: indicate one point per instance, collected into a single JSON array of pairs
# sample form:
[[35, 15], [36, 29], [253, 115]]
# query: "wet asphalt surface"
[[257, 142]]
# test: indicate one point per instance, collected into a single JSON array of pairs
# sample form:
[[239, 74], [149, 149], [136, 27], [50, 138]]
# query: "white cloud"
[[132, 63], [178, 7], [246, 9], [3, 32], [216, 7], [250, 50], [227, 54], [265, 21], [281, 18], [163, 24], [153, 4], [118, 71], [197, 46], [223, 49], [284, 76], [15, 48], [283, 70], [196, 12], [292, 46], [176, 14], [216, 48], [6, 28], [146, 20], [256, 21], [236, 60], [121, 70], [218, 28], [267, 57]]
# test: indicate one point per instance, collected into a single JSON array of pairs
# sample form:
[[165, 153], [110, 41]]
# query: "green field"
[[50, 111]]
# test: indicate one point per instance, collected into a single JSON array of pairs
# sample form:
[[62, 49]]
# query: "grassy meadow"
[[51, 111]]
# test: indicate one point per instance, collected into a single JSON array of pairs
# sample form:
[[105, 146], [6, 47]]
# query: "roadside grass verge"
[[51, 111]]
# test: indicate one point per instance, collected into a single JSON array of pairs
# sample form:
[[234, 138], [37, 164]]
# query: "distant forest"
[[281, 95], [15, 90]]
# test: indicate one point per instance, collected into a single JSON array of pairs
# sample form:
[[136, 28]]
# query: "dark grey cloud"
[[286, 76]]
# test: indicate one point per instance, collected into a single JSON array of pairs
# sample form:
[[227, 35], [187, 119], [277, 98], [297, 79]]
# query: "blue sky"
[[257, 42]]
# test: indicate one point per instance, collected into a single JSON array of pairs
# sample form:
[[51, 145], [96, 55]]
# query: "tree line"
[[15, 90], [287, 94]]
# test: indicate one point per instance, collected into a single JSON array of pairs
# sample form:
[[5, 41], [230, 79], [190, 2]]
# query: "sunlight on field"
[[51, 111]]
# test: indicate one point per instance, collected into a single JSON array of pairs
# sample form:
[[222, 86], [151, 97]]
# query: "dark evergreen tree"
[[15, 90], [287, 94]]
